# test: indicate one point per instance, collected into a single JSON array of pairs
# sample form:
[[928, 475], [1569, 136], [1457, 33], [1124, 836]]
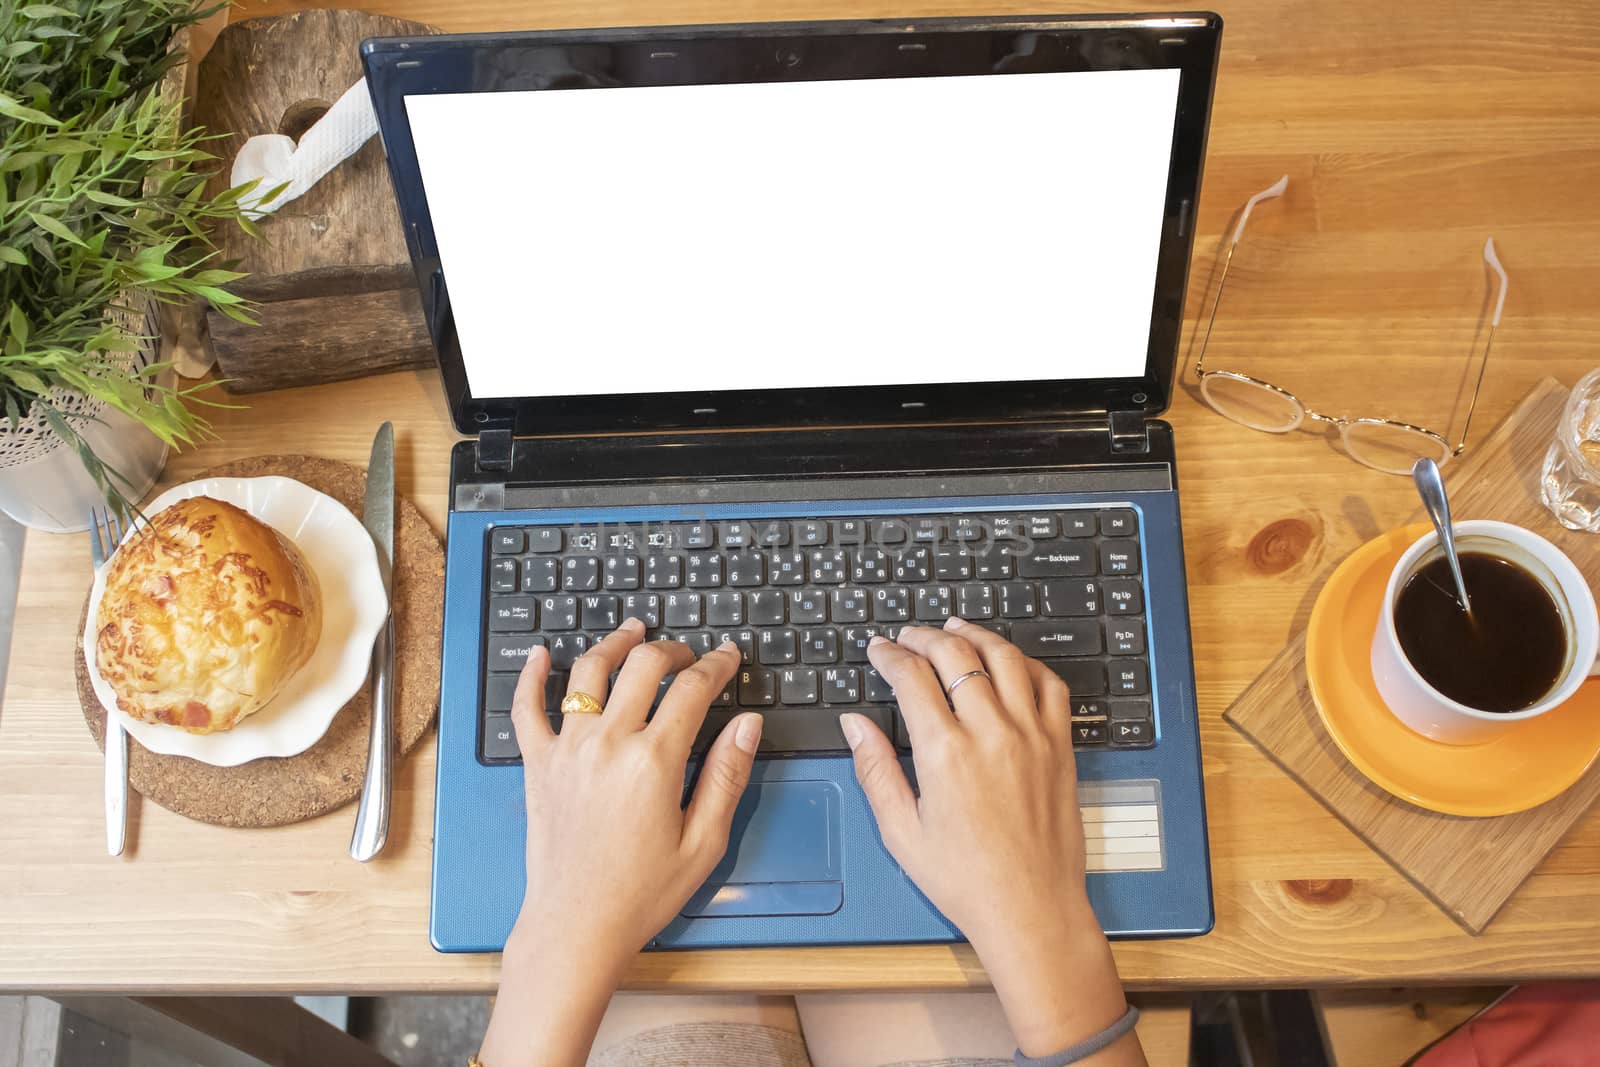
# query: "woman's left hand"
[[612, 855]]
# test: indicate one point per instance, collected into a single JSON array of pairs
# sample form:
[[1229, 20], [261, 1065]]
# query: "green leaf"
[[27, 381], [55, 227], [12, 108], [17, 324], [45, 33], [100, 196], [47, 11], [12, 255]]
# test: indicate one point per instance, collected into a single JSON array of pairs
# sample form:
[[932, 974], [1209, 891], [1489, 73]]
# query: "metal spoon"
[[1430, 485]]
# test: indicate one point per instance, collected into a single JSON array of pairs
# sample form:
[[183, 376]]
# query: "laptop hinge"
[[1129, 435], [495, 447]]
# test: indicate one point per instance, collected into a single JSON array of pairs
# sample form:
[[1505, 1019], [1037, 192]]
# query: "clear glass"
[[1391, 447], [1570, 481], [1251, 403]]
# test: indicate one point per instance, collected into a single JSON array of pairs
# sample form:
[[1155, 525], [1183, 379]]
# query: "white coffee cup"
[[1431, 713]]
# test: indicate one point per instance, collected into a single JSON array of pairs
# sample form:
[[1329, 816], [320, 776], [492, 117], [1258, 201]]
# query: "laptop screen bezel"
[[547, 60]]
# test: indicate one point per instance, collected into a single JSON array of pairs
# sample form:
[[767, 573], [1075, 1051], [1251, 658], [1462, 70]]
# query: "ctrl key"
[[499, 739]]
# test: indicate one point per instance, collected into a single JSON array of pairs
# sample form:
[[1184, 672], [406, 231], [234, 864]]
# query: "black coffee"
[[1506, 656]]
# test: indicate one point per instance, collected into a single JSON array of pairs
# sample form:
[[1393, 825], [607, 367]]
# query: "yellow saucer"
[[1522, 768]]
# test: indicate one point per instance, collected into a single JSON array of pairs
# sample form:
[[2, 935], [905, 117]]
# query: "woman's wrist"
[[556, 982]]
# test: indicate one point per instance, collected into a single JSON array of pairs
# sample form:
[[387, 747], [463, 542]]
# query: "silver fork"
[[105, 533]]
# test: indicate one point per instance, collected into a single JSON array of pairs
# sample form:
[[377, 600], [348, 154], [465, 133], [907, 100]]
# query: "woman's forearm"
[[551, 999]]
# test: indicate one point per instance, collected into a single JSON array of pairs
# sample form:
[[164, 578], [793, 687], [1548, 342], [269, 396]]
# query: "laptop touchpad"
[[783, 855]]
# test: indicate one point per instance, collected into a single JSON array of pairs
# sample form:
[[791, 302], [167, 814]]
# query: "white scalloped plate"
[[340, 552]]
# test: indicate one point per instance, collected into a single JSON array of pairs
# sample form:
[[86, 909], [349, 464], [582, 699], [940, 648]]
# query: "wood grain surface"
[[1469, 866], [329, 774], [1409, 131]]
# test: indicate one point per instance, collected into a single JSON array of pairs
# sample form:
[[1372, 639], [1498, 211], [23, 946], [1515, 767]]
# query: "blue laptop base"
[[805, 865]]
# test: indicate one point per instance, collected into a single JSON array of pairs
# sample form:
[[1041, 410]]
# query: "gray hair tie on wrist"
[[1088, 1046]]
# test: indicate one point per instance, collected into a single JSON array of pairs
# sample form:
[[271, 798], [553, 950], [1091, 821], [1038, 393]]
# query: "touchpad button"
[[783, 855]]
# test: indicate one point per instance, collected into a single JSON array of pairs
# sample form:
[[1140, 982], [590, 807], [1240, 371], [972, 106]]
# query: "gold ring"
[[580, 704], [970, 674]]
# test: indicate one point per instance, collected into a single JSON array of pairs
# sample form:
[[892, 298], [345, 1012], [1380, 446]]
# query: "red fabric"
[[1556, 1025]]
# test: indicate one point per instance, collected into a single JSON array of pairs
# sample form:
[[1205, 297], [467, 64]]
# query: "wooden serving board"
[[329, 774], [1469, 867]]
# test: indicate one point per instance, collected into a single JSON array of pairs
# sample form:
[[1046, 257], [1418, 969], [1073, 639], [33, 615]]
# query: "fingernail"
[[955, 622], [727, 646], [747, 735], [632, 624], [877, 639], [850, 724]]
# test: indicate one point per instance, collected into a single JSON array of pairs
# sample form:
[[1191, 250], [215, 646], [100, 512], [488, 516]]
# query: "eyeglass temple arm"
[[1274, 190], [1493, 259]]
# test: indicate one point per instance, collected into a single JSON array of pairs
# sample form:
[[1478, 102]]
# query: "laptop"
[[795, 334]]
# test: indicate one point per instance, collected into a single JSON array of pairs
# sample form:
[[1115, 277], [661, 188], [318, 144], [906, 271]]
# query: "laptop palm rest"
[[783, 855]]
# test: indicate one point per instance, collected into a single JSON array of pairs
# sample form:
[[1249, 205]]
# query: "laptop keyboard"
[[803, 597]]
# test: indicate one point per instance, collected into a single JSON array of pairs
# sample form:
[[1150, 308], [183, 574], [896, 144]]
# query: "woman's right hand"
[[995, 839]]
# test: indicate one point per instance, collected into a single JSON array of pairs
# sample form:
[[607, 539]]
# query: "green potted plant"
[[102, 220]]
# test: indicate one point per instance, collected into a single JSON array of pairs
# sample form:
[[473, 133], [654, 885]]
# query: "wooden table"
[[1409, 131]]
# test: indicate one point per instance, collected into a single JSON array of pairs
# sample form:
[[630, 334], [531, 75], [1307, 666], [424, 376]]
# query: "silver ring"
[[970, 674]]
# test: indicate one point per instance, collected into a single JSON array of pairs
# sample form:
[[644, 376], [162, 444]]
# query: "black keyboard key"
[[828, 566], [1129, 677], [1058, 560], [975, 601], [850, 604], [819, 645], [1089, 709], [934, 602], [724, 608], [698, 535], [811, 532], [877, 690], [555, 690], [1041, 526], [1122, 596], [559, 612], [508, 652], [841, 685], [778, 647], [729, 697], [745, 639], [765, 608], [952, 564], [871, 566], [758, 687], [798, 685], [1003, 629], [1137, 734], [684, 611], [1018, 600], [704, 570], [664, 572], [808, 605], [1125, 637], [736, 534], [599, 611], [902, 734], [565, 648], [622, 572], [787, 567], [914, 565], [1088, 733], [505, 541], [995, 561], [966, 528], [1085, 677], [546, 539], [580, 574], [503, 576], [646, 607], [1008, 528], [500, 738], [927, 530], [512, 614], [1077, 524], [889, 531], [1119, 557], [849, 532], [699, 642], [1058, 637], [891, 603], [541, 574], [1120, 523], [773, 533], [747, 568], [854, 641], [1132, 709], [498, 690], [1070, 598]]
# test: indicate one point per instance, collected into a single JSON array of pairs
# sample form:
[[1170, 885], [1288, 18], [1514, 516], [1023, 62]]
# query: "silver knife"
[[372, 817]]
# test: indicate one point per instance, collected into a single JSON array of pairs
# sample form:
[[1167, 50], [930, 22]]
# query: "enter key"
[[1059, 637]]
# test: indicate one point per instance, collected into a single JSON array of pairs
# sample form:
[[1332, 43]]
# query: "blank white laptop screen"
[[800, 234]]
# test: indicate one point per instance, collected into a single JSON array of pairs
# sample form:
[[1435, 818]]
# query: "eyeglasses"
[[1382, 444]]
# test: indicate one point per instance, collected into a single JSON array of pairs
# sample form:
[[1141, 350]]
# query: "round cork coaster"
[[329, 774]]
